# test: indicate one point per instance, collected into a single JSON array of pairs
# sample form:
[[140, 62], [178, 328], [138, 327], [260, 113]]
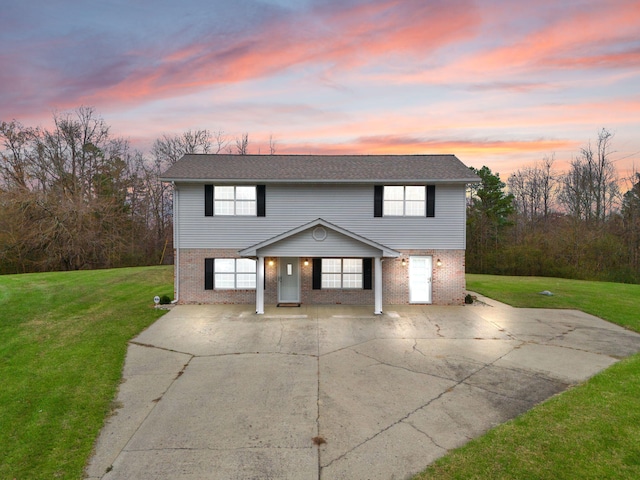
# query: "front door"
[[289, 280], [420, 269]]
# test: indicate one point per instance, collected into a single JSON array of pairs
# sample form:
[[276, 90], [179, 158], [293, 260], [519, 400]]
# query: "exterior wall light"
[[271, 263], [404, 262], [439, 262], [306, 262]]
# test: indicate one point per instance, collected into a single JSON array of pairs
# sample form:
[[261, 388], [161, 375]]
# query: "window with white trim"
[[341, 273], [404, 201], [234, 274], [234, 200]]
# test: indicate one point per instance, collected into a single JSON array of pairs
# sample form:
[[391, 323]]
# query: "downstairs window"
[[230, 274]]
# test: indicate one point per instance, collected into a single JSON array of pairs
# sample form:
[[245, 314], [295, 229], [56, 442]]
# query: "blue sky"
[[498, 83]]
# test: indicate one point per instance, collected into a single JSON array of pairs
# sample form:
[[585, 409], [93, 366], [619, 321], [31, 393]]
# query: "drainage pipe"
[[176, 243]]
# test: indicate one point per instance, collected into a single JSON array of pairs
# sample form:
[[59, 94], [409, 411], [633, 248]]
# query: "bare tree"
[[73, 206], [242, 144], [168, 149], [14, 160], [221, 141], [574, 191], [590, 189], [605, 178], [272, 145], [547, 184], [68, 157], [532, 188]]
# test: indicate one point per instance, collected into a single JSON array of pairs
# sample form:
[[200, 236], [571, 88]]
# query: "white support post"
[[260, 287], [377, 285]]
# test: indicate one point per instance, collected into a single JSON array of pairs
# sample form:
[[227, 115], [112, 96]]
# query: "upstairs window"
[[229, 200], [404, 201]]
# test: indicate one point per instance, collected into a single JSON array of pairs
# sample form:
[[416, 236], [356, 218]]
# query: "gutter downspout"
[[176, 244]]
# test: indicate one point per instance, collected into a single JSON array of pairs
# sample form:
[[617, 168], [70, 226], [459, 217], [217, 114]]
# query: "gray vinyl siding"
[[348, 206], [303, 243]]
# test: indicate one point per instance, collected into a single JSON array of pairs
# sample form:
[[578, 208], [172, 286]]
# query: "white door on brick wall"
[[420, 270]]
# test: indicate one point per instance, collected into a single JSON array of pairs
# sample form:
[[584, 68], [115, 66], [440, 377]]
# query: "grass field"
[[589, 432], [63, 339]]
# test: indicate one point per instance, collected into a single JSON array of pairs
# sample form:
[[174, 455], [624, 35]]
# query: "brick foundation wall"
[[448, 282]]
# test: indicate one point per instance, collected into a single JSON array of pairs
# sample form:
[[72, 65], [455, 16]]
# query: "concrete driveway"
[[217, 392]]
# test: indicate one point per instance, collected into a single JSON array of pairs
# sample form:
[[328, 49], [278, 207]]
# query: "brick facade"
[[192, 279], [448, 281]]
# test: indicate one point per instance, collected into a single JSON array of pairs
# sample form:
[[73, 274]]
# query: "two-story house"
[[316, 229]]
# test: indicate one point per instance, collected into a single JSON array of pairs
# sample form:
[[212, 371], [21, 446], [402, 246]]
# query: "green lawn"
[[63, 338], [589, 432]]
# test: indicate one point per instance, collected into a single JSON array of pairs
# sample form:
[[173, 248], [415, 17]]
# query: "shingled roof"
[[320, 168]]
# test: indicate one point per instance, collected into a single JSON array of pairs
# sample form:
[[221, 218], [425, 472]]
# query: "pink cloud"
[[589, 36], [401, 144], [330, 37], [573, 40]]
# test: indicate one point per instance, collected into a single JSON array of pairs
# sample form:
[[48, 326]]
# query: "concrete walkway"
[[217, 392]]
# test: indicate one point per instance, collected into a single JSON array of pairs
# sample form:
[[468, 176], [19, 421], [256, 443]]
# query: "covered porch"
[[319, 260]]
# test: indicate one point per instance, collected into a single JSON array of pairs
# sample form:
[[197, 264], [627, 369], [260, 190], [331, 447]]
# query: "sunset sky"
[[498, 83]]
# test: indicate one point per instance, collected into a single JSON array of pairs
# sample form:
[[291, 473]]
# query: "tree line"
[[76, 197], [583, 223]]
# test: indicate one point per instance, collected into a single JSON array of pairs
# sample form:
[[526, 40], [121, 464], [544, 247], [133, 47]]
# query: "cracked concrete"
[[217, 392]]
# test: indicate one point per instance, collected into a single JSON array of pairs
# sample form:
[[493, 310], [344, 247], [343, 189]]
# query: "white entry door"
[[420, 270], [289, 280]]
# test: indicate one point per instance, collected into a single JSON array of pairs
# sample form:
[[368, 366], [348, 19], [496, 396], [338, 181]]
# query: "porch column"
[[260, 286], [377, 285]]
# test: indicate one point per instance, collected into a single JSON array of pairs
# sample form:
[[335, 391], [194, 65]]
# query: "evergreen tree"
[[488, 217], [631, 224]]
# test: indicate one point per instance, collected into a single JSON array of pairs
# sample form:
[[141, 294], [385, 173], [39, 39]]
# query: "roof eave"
[[450, 181]]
